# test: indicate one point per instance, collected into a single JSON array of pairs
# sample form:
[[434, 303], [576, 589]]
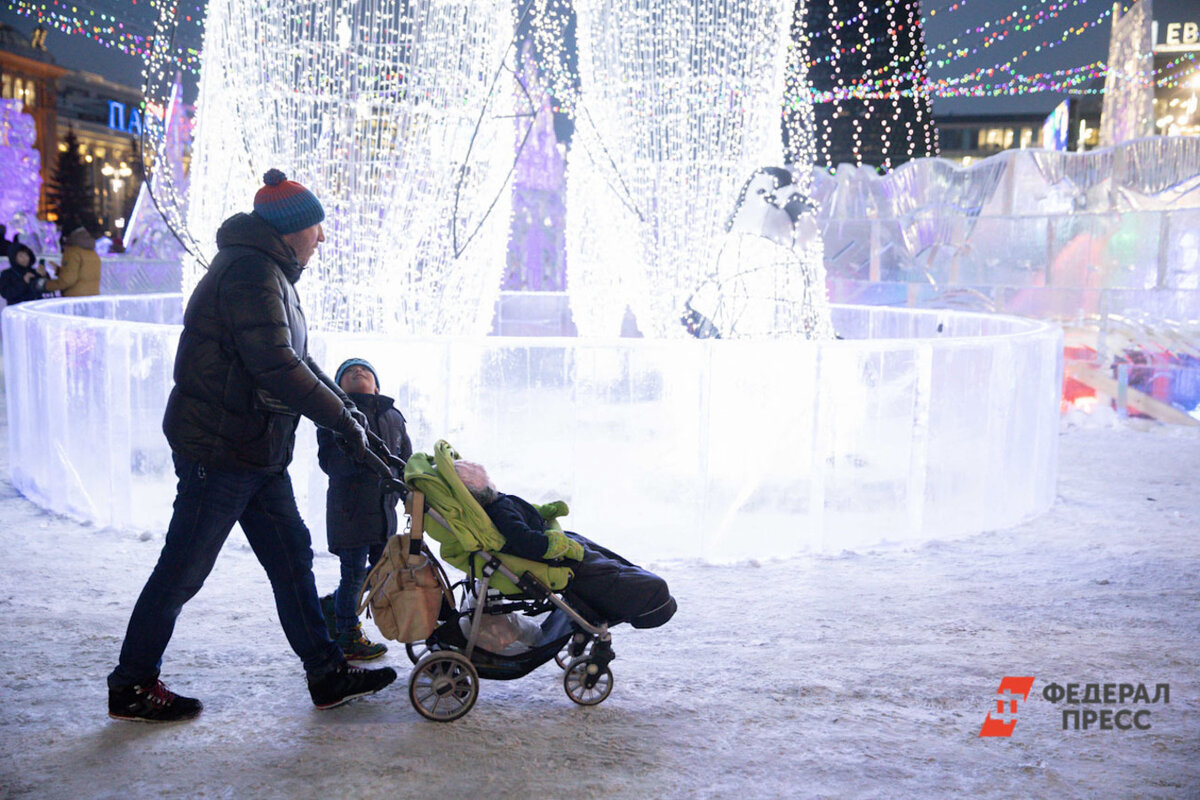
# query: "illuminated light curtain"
[[679, 102], [398, 117]]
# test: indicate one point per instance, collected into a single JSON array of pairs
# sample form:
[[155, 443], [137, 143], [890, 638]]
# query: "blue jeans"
[[207, 504], [356, 563]]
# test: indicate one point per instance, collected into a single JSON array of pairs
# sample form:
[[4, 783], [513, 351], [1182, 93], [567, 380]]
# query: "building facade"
[[105, 116], [1176, 36], [1074, 125], [28, 73], [107, 120]]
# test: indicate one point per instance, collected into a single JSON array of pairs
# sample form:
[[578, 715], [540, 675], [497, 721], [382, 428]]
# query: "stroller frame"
[[444, 683]]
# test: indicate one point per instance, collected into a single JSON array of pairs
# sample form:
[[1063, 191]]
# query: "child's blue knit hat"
[[350, 362], [287, 205]]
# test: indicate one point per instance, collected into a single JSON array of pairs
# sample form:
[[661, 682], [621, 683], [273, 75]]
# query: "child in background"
[[359, 514], [20, 281]]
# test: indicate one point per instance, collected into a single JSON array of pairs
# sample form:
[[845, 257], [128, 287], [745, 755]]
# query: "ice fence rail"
[[919, 424]]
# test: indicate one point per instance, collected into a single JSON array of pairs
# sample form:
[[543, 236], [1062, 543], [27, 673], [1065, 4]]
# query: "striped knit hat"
[[287, 205]]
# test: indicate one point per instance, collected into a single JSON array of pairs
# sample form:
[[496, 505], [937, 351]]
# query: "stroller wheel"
[[572, 649], [586, 682], [443, 686]]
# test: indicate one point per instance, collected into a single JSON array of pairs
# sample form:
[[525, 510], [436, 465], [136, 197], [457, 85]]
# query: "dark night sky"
[[78, 52], [1091, 46]]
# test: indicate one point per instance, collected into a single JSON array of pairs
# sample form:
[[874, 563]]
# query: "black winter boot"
[[346, 683], [151, 703]]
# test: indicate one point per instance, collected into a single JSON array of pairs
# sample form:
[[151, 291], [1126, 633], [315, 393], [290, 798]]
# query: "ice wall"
[[1105, 242], [124, 274], [917, 425]]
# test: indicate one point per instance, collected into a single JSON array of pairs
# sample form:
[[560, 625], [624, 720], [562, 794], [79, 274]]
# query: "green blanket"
[[470, 527]]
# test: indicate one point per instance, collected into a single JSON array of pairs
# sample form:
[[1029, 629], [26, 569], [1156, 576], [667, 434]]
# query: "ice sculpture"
[[1142, 175], [1104, 242], [20, 163], [768, 279], [1005, 221], [677, 104], [398, 116], [1128, 110], [918, 424]]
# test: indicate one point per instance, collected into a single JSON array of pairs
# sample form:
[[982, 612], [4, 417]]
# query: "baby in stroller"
[[605, 587], [517, 560]]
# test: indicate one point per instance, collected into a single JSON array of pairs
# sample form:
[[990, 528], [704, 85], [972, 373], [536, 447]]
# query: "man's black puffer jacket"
[[242, 372]]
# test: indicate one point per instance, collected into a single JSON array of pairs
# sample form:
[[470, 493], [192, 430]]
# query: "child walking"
[[359, 514]]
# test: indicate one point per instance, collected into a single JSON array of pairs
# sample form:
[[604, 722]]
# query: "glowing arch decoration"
[[398, 116], [678, 104]]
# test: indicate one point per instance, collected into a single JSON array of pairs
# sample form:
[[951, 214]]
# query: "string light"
[[677, 105], [864, 119], [398, 115], [993, 32], [123, 26]]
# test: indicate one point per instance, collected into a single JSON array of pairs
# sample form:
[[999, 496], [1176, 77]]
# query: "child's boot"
[[357, 647]]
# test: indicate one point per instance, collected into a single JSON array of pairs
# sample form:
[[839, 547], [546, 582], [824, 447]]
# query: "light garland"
[[160, 212], [883, 126], [1046, 44], [123, 28], [119, 27], [398, 116], [1019, 24], [653, 155]]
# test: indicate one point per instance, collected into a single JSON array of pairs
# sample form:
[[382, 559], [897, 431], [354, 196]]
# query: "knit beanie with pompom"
[[287, 205]]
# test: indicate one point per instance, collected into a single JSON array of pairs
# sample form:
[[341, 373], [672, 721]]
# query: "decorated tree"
[[71, 196], [867, 70]]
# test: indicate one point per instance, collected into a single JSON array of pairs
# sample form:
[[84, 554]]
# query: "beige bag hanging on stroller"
[[404, 592]]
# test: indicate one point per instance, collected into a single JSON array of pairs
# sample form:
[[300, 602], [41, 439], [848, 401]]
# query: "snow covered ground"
[[864, 674]]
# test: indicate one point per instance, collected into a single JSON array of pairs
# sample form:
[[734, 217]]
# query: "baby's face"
[[23, 260], [473, 476]]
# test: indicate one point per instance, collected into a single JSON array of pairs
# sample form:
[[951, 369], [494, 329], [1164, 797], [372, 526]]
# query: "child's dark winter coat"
[[358, 513]]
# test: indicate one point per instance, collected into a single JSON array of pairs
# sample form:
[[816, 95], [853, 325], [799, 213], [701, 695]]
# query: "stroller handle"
[[381, 462]]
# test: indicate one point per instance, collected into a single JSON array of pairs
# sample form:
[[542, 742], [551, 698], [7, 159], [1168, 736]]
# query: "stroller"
[[444, 684]]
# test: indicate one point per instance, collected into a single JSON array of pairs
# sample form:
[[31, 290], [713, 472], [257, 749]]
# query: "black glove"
[[353, 438], [359, 416]]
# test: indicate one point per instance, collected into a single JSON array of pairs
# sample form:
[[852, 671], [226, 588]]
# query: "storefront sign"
[[117, 118]]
